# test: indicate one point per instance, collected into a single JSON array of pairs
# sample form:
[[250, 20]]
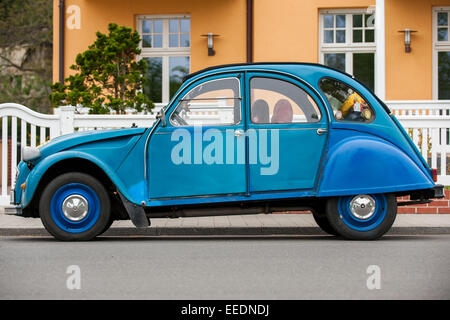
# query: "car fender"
[[365, 164], [41, 168]]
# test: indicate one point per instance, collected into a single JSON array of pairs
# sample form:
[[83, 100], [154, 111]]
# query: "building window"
[[441, 53], [347, 43], [166, 47]]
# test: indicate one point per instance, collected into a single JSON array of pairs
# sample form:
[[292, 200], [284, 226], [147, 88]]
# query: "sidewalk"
[[260, 224]]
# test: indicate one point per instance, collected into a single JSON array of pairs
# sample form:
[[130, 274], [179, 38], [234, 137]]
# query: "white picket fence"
[[427, 122]]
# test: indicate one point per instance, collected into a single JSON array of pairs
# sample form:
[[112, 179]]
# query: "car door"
[[201, 150], [287, 132]]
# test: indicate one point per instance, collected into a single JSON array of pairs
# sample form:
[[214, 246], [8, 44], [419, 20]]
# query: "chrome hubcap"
[[362, 206], [75, 207]]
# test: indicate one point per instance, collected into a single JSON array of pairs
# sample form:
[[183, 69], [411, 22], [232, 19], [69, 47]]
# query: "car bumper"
[[13, 208], [437, 192]]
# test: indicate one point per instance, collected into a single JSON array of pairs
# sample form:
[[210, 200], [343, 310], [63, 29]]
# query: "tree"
[[108, 75], [26, 52]]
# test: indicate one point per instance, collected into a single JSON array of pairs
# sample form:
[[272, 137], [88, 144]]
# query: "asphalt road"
[[303, 267]]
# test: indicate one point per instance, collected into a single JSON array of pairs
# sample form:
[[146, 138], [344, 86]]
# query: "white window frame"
[[165, 52], [347, 47], [438, 46]]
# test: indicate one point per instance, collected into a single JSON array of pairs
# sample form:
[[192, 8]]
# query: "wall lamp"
[[407, 33], [210, 37]]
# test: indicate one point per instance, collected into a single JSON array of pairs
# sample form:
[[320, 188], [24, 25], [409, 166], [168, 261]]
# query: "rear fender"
[[364, 164]]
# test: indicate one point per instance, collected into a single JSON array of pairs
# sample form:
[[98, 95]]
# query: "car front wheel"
[[75, 206], [362, 217]]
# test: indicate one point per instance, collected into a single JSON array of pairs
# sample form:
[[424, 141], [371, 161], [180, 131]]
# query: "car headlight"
[[30, 153]]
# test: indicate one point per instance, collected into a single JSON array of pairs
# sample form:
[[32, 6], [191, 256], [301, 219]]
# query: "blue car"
[[235, 139]]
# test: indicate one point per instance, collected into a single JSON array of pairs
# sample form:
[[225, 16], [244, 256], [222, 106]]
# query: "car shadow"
[[128, 238]]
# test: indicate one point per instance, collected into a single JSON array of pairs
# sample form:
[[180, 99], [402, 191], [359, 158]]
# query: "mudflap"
[[136, 213]]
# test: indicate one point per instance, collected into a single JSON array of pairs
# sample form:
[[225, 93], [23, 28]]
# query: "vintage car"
[[235, 139]]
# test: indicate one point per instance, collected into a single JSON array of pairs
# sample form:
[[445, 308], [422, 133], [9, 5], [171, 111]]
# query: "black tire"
[[52, 222], [108, 225], [337, 219], [323, 223], [319, 215]]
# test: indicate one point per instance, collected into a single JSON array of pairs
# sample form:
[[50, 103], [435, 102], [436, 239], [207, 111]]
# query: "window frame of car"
[[292, 80], [333, 118], [201, 81]]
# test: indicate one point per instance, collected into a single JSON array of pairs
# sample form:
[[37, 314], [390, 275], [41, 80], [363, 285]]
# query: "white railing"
[[427, 122], [419, 108], [24, 127]]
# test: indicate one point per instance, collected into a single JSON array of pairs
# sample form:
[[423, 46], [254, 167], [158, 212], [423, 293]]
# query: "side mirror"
[[162, 116]]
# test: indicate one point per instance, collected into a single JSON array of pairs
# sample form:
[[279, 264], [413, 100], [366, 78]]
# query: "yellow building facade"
[[365, 38]]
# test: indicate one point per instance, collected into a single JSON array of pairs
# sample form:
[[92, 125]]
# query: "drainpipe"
[[61, 40], [249, 31], [380, 54]]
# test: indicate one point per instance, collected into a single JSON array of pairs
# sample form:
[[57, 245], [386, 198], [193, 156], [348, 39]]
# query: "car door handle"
[[321, 131], [238, 133]]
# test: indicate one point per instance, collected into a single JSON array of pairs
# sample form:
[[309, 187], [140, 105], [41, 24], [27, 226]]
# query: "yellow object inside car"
[[350, 102]]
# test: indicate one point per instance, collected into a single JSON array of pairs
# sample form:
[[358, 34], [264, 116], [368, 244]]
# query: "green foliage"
[[25, 22], [29, 90], [26, 52], [108, 75]]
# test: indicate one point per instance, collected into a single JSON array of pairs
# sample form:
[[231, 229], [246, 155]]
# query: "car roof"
[[299, 67], [264, 65]]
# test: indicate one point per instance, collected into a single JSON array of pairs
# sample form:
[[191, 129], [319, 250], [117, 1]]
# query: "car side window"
[[213, 102], [278, 101], [347, 104]]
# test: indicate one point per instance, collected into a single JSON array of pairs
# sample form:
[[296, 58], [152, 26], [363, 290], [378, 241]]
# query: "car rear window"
[[347, 103]]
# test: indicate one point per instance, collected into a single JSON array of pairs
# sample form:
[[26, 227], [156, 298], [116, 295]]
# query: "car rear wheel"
[[75, 206], [319, 215], [323, 224], [362, 217]]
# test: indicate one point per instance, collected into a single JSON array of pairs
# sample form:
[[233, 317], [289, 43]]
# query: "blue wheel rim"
[[358, 224], [75, 226]]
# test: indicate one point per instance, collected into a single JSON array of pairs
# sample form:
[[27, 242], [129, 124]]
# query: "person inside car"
[[282, 112], [260, 112]]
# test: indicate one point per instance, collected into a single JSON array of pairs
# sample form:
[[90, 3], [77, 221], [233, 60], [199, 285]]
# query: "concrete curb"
[[223, 231]]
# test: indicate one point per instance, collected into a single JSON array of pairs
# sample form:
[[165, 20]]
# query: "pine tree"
[[107, 76]]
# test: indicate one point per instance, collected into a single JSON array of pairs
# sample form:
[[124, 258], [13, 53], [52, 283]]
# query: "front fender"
[[41, 168], [365, 164]]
